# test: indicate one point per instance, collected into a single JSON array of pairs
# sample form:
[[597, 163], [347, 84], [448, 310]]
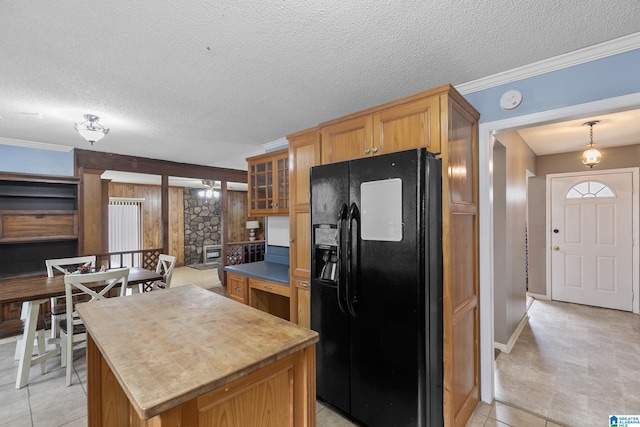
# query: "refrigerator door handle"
[[340, 288], [354, 215]]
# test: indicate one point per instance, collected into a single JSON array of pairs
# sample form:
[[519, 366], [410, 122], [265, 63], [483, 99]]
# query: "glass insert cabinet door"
[[283, 182], [269, 183], [261, 185]]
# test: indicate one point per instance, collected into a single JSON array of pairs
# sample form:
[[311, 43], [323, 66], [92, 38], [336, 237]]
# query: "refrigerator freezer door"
[[329, 198], [332, 351]]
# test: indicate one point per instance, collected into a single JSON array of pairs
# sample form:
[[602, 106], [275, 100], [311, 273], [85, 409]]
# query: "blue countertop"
[[271, 271]]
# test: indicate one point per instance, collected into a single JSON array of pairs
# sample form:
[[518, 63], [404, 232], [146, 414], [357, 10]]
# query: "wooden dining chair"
[[165, 266], [72, 329]]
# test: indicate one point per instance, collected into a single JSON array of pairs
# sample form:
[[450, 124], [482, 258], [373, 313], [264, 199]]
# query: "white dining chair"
[[64, 266], [61, 265], [72, 328], [165, 266]]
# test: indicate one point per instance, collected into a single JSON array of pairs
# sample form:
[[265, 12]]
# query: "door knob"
[[374, 149], [556, 248]]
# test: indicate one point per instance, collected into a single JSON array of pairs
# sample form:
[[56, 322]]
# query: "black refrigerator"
[[376, 287]]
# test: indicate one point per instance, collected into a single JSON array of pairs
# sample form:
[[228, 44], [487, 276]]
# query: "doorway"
[[590, 233], [486, 161]]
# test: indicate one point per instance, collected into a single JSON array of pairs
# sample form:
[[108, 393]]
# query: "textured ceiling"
[[210, 82]]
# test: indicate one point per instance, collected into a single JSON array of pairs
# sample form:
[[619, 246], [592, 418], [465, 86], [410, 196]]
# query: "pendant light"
[[90, 129], [591, 157]]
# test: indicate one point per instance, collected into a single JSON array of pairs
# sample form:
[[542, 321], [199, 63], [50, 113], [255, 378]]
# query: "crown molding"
[[580, 56], [36, 145], [276, 145]]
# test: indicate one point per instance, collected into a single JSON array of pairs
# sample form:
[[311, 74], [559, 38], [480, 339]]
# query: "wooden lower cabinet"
[[303, 291], [269, 297], [237, 286], [279, 394]]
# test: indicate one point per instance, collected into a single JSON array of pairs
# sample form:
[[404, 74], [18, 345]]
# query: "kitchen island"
[[187, 356]]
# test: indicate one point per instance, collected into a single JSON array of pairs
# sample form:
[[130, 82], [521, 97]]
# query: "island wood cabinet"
[[408, 123], [304, 152], [268, 178], [443, 122], [222, 364]]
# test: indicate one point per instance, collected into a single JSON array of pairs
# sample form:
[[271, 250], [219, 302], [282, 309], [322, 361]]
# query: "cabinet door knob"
[[237, 289], [304, 285], [367, 151], [374, 149], [556, 248]]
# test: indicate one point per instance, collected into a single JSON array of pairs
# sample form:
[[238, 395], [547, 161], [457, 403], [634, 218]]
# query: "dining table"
[[35, 291]]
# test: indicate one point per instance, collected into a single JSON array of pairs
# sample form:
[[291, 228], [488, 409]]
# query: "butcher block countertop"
[[167, 347]]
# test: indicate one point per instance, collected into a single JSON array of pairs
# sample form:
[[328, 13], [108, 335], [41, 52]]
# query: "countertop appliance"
[[376, 287]]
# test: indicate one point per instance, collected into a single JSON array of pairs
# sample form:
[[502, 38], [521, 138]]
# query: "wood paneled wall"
[[176, 224], [152, 215], [237, 210]]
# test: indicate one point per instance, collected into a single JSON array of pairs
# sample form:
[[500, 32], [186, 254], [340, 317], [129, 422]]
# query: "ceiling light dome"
[[90, 129]]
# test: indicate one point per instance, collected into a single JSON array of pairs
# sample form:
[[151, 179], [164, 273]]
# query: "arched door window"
[[590, 189]]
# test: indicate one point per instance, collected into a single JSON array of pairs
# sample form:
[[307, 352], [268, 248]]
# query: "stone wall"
[[202, 224]]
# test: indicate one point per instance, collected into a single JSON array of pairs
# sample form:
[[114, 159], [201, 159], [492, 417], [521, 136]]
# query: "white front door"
[[592, 239]]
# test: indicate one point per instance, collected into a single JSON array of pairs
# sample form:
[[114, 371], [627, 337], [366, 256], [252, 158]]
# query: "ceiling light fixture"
[[90, 129], [209, 191], [591, 157]]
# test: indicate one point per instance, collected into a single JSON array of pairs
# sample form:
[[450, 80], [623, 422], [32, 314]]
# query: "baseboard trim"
[[506, 348], [538, 296]]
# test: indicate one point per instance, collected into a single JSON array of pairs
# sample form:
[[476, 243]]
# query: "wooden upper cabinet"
[[268, 177], [304, 152], [397, 126], [346, 140], [412, 125]]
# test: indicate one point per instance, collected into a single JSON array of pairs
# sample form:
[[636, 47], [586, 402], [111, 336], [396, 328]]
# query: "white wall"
[[510, 220]]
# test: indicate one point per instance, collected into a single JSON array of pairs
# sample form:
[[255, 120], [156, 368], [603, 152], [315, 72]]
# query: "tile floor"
[[204, 278], [572, 364], [47, 402]]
